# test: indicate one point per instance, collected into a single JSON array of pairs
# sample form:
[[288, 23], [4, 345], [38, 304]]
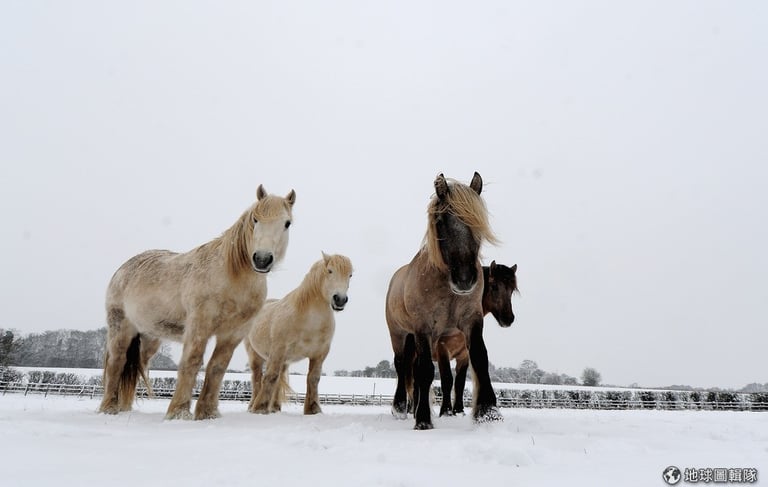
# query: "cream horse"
[[299, 326], [212, 290]]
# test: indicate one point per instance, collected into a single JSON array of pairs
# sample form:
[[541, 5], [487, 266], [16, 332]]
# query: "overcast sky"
[[623, 145]]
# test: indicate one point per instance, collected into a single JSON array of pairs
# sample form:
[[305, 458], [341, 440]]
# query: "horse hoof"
[[490, 415], [446, 412], [459, 413], [423, 425], [398, 414], [315, 409], [181, 414], [207, 415], [110, 410]]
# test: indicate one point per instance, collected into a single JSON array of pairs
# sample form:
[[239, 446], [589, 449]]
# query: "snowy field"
[[62, 441]]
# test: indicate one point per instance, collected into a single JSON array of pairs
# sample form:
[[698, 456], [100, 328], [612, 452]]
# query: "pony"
[[499, 282], [212, 290], [298, 326], [439, 292]]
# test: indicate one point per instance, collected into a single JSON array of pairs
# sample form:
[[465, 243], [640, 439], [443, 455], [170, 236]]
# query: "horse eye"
[[255, 220], [287, 224], [330, 271]]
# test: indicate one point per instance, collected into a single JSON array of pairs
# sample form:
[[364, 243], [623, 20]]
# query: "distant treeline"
[[64, 349], [528, 373]]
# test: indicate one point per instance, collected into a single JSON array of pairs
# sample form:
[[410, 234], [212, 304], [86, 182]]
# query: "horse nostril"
[[340, 300]]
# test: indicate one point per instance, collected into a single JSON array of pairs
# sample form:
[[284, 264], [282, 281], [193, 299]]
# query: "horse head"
[[500, 283], [458, 227], [270, 219], [337, 271]]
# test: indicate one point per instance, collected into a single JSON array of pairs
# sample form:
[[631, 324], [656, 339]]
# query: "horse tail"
[[132, 370], [283, 386]]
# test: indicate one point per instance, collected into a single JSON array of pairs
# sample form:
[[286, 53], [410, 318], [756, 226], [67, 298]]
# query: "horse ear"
[[514, 268], [492, 267], [261, 192], [291, 197], [326, 257], [477, 183], [441, 186]]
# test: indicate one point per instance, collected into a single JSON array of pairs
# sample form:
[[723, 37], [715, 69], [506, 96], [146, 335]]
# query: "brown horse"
[[499, 282], [438, 292], [299, 326], [212, 290]]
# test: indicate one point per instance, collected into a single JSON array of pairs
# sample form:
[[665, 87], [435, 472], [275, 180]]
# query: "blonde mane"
[[466, 205], [235, 238]]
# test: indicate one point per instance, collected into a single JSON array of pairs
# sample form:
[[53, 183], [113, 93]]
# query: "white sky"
[[623, 146]]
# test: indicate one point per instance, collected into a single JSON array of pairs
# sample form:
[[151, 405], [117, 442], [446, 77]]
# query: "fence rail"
[[533, 401]]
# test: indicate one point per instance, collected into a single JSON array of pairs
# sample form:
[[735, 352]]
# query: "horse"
[[212, 290], [439, 292], [499, 282], [298, 326]]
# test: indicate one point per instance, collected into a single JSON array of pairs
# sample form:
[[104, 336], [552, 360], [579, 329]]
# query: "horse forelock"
[[466, 205], [270, 207], [341, 263]]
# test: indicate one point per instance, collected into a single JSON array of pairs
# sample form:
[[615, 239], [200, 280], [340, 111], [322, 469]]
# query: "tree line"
[[64, 349], [527, 373]]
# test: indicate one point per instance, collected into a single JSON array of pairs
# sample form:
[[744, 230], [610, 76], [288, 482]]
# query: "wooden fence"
[[506, 399]]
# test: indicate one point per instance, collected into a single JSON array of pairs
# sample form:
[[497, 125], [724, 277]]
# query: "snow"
[[63, 441]]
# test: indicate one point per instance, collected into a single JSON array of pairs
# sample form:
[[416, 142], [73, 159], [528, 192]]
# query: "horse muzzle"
[[338, 302], [506, 322], [262, 261], [463, 289]]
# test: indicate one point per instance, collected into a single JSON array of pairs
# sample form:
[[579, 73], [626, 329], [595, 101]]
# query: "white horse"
[[212, 290], [299, 326]]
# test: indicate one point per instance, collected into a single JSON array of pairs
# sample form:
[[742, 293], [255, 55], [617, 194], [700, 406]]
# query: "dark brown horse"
[[499, 282], [439, 292]]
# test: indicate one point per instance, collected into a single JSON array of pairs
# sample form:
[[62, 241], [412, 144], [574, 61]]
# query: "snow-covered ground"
[[62, 441]]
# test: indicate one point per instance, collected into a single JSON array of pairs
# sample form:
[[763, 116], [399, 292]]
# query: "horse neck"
[[486, 290], [310, 288]]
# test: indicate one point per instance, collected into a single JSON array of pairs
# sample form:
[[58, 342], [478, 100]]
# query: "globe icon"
[[671, 475]]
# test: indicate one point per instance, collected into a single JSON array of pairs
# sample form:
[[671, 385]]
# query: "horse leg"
[[404, 355], [484, 409], [462, 364], [424, 373], [191, 360], [311, 402], [207, 406], [446, 378], [255, 362], [119, 338], [264, 401]]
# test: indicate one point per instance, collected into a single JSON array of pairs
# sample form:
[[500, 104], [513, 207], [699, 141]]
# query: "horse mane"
[[235, 238], [466, 205]]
